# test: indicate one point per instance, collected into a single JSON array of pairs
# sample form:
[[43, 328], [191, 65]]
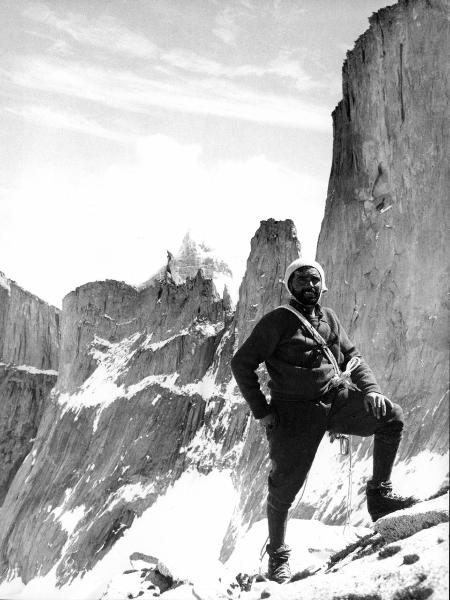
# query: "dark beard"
[[308, 301]]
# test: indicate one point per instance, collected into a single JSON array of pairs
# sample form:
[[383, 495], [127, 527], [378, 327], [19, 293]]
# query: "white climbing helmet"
[[303, 262]]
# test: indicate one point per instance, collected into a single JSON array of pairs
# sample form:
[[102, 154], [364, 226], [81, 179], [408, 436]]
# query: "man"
[[308, 398]]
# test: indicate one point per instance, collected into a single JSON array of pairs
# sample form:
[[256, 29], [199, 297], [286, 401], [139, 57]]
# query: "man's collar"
[[296, 304]]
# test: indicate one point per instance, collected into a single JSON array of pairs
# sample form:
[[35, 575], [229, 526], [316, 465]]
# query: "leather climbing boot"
[[381, 500], [279, 570]]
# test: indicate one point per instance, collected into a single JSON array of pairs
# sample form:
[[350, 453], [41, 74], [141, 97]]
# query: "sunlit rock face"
[[29, 328], [144, 393], [29, 349], [134, 390], [387, 212]]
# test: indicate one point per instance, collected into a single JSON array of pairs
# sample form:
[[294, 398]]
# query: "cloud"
[[101, 33], [284, 66], [105, 32], [57, 119], [117, 222], [131, 92]]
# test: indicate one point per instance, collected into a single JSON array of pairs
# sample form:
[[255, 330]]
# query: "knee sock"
[[277, 521], [387, 441]]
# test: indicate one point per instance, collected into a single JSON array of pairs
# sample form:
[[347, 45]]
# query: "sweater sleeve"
[[256, 349], [363, 375]]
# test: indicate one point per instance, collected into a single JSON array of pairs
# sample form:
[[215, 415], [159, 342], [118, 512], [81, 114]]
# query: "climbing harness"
[[340, 378]]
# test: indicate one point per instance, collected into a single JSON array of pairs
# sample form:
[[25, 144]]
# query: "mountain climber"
[[304, 348]]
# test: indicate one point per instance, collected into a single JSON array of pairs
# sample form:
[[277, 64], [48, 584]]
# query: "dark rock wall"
[[22, 401], [103, 309], [104, 442], [29, 349], [29, 328], [382, 241]]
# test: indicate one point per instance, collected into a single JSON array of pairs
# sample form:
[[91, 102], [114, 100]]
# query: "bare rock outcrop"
[[387, 211], [23, 393], [130, 398], [29, 353], [29, 328], [274, 246]]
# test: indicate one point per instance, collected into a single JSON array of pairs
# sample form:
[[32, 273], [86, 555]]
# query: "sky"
[[127, 123]]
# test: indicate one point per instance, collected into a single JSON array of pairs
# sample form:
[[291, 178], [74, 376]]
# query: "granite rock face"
[[387, 211], [29, 351], [29, 328], [144, 394], [116, 421], [23, 393]]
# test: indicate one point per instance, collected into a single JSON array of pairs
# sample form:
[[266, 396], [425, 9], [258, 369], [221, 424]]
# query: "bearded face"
[[306, 285]]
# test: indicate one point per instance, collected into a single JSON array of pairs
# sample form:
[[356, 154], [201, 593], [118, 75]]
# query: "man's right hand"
[[270, 421]]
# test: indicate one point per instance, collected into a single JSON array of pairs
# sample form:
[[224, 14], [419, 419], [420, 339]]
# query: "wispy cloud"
[[58, 119], [285, 66], [127, 91], [106, 33], [174, 79]]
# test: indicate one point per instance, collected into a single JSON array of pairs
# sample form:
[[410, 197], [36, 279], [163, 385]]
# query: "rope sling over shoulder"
[[340, 378]]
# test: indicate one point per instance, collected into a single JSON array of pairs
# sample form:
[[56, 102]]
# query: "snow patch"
[[422, 475], [184, 529], [35, 371], [203, 328], [312, 543], [129, 493], [30, 369], [5, 283], [70, 519]]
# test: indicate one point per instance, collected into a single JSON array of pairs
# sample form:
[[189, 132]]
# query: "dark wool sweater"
[[297, 368]]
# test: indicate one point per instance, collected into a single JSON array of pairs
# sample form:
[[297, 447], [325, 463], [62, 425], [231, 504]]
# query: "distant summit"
[[191, 257]]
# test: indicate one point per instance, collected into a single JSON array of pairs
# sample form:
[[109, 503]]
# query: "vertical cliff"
[[23, 393], [382, 240], [29, 348], [29, 328], [131, 395]]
